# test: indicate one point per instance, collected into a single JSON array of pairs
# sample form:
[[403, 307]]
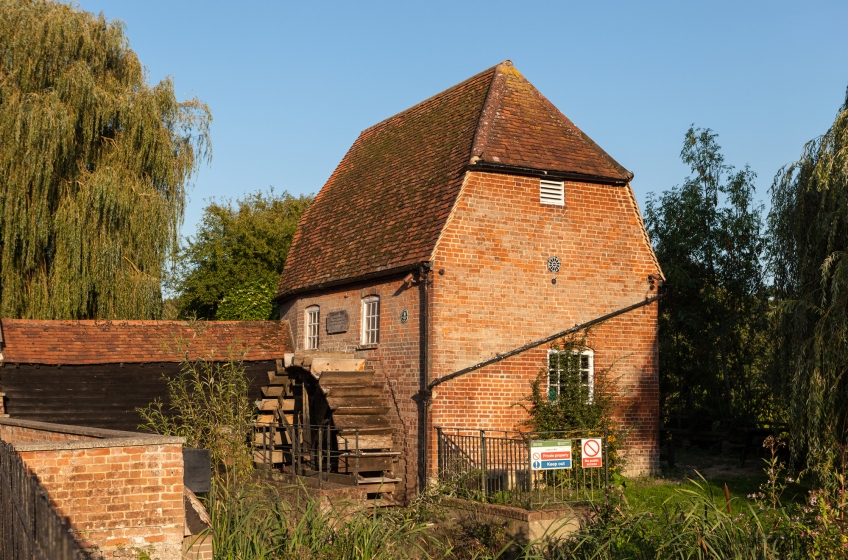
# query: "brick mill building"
[[471, 224]]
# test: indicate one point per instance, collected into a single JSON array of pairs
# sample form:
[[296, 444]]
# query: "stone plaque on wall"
[[337, 322]]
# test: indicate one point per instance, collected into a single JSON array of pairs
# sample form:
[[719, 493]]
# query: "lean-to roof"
[[104, 342]]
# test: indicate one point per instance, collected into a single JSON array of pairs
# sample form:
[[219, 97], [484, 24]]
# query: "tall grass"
[[259, 521]]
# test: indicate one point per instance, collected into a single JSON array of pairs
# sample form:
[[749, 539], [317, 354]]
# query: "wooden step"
[[321, 365], [265, 419], [330, 378], [304, 358], [347, 421], [350, 433], [353, 402], [347, 442], [347, 463], [283, 380], [289, 418], [360, 410], [271, 391], [377, 484], [264, 438], [342, 391], [260, 455], [267, 405], [270, 405]]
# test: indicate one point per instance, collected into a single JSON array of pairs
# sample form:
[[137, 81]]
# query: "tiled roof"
[[386, 203], [104, 342]]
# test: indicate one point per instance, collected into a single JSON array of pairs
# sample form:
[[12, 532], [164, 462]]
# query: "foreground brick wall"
[[495, 294], [120, 491], [24, 434]]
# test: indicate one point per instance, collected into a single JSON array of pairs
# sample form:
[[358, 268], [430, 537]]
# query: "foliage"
[[707, 234], [208, 405], [808, 258], [94, 164], [699, 523], [249, 302], [573, 409], [237, 256], [254, 520]]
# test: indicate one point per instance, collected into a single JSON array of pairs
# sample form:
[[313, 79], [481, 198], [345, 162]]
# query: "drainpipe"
[[424, 343]]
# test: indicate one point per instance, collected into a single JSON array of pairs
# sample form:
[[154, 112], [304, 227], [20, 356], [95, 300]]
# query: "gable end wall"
[[496, 294]]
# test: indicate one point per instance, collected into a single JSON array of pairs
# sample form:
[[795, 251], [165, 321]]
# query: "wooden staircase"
[[335, 391]]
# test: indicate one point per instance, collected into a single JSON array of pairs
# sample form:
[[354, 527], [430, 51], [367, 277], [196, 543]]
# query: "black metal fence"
[[499, 467], [30, 529]]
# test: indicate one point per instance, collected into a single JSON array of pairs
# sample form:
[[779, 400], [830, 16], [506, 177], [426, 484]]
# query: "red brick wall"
[[396, 360], [117, 498], [496, 294]]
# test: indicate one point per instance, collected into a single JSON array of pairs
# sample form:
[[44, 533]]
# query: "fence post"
[[483, 461], [606, 465], [356, 466], [439, 453], [320, 458]]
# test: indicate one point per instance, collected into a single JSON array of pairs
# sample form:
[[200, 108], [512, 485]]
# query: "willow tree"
[[94, 166], [809, 260]]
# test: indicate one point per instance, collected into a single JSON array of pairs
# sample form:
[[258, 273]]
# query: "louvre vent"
[[552, 192]]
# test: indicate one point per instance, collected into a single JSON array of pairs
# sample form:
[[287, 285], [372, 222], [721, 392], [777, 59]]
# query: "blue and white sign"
[[546, 455]]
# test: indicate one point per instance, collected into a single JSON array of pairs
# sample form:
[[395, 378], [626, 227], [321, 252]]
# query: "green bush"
[[573, 408], [210, 408]]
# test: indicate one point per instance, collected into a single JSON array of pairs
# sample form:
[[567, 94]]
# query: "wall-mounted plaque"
[[337, 322]]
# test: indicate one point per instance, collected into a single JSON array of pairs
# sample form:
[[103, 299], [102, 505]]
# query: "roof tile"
[[387, 201], [103, 342]]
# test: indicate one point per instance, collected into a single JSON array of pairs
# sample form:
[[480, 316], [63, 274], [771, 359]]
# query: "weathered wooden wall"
[[98, 396]]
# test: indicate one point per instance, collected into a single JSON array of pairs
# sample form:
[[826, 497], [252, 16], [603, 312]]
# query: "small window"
[[313, 327], [571, 372], [552, 192], [371, 320]]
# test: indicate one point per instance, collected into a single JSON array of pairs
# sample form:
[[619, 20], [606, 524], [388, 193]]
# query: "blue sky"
[[291, 85]]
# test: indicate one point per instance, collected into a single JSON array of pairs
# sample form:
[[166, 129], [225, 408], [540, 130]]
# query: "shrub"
[[210, 408], [574, 408]]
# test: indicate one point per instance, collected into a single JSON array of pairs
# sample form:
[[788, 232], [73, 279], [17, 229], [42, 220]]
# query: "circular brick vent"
[[554, 264]]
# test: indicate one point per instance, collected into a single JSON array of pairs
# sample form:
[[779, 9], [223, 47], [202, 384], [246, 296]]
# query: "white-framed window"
[[552, 192], [371, 320], [312, 326], [571, 366]]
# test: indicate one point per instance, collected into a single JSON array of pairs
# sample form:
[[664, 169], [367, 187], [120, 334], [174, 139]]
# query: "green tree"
[[230, 269], [808, 257], [94, 164], [708, 237]]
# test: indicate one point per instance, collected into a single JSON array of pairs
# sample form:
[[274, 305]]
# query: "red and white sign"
[[591, 451], [551, 455]]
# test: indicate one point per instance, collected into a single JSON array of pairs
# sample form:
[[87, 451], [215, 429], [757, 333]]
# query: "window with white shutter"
[[371, 320], [552, 192], [313, 326]]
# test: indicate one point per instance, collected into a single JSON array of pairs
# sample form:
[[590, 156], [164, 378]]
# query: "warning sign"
[[591, 452], [552, 454]]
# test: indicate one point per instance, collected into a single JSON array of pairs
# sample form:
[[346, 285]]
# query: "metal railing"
[[30, 529], [495, 467], [312, 450]]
